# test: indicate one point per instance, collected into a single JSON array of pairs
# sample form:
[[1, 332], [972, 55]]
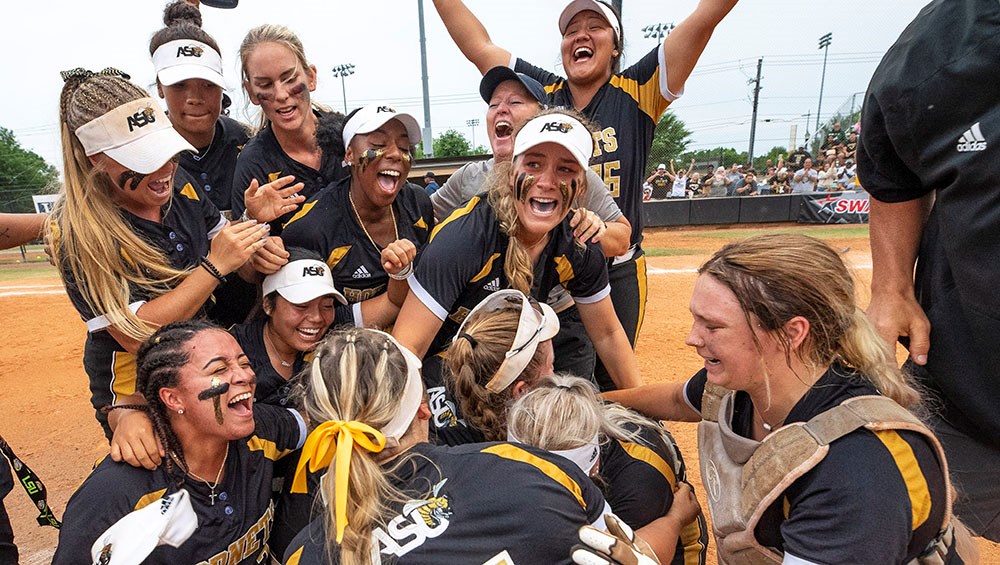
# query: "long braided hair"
[[158, 365]]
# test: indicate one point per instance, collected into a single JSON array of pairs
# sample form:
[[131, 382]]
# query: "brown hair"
[[183, 21], [777, 277], [470, 367]]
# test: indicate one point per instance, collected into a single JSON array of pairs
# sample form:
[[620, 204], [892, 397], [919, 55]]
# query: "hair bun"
[[181, 11]]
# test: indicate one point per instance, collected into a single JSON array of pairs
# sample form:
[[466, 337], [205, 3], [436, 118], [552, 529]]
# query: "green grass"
[[671, 252], [818, 233], [11, 272]]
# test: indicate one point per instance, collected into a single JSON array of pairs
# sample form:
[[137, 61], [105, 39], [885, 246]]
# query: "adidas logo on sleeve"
[[361, 273], [972, 140], [493, 285]]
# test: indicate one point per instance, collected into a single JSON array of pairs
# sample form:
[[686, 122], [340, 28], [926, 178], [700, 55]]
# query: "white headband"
[[585, 456]]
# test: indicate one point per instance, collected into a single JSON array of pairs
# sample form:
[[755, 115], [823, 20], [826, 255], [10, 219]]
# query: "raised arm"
[[470, 36], [684, 45], [610, 342]]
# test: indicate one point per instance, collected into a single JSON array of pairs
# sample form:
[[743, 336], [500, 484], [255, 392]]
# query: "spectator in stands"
[[694, 185], [826, 177], [797, 158], [717, 183], [749, 185], [659, 182], [679, 189], [847, 175], [830, 143], [805, 179], [838, 133], [779, 182], [430, 183], [734, 179], [852, 144]]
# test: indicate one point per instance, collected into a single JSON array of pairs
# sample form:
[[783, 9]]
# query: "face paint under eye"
[[405, 156], [214, 391], [368, 157], [521, 186], [297, 89], [132, 178], [217, 384], [265, 96]]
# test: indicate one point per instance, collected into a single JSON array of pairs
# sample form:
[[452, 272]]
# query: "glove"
[[170, 520], [619, 545]]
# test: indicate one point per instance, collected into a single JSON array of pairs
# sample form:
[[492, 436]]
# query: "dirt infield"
[[46, 417]]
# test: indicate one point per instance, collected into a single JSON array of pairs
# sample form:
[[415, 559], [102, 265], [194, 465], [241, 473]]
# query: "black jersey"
[[213, 170], [626, 110], [931, 121], [640, 476], [234, 530], [327, 225], [263, 159], [481, 503], [189, 222], [877, 497]]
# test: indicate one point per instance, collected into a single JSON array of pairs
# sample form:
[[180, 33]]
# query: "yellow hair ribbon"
[[318, 453]]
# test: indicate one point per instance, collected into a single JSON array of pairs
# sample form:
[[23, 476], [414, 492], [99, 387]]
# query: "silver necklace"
[[211, 486], [275, 349]]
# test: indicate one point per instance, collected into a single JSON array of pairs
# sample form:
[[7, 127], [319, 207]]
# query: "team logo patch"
[[972, 140], [105, 557], [381, 109], [419, 521], [361, 273], [141, 118], [493, 285], [561, 127], [313, 271], [443, 412]]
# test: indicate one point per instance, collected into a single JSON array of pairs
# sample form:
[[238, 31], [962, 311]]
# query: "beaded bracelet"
[[212, 270]]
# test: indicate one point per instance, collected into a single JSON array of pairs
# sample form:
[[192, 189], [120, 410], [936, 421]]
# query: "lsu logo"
[[385, 109], [141, 118], [419, 521], [189, 51], [561, 127], [313, 271]]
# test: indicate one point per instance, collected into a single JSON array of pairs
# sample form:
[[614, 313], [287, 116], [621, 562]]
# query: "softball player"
[[807, 461], [369, 226], [189, 79], [626, 104], [221, 449], [392, 495], [137, 243], [286, 147], [517, 236]]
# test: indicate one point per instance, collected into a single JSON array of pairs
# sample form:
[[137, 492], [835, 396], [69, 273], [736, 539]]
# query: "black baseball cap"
[[500, 74]]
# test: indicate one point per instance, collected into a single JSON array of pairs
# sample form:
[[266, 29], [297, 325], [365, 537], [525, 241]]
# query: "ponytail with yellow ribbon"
[[319, 451]]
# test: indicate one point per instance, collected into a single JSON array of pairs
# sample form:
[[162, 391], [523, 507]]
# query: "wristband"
[[246, 216], [212, 269], [403, 274]]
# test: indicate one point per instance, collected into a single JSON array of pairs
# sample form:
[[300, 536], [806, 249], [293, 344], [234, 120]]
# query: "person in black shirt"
[[928, 157], [392, 497], [137, 244], [190, 80], [287, 148], [221, 448]]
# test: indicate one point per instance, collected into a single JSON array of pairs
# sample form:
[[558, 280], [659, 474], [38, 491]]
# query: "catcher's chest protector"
[[744, 477]]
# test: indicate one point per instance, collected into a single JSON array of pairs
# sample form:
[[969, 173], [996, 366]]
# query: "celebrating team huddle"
[[299, 357]]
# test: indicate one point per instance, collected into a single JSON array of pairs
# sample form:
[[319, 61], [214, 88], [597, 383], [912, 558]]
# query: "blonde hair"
[[91, 240], [470, 367], [362, 376], [273, 33], [777, 277], [499, 184]]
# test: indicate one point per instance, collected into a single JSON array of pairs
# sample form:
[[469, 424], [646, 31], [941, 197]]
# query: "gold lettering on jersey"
[[609, 174], [605, 141], [419, 521], [255, 538], [355, 295]]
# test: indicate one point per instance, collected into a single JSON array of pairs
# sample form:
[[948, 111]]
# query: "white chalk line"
[[658, 271]]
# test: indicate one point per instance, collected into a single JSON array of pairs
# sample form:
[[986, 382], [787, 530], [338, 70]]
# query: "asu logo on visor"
[[313, 271], [189, 51], [389, 109], [141, 118], [561, 127]]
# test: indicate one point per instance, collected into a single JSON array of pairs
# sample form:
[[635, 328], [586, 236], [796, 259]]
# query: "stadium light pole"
[[824, 44], [659, 31], [472, 124], [343, 71], [428, 138]]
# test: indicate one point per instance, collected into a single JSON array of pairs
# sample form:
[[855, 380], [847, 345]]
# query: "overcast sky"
[[42, 37]]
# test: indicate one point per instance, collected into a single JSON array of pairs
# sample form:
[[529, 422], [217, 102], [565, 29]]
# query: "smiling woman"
[[199, 387], [519, 237]]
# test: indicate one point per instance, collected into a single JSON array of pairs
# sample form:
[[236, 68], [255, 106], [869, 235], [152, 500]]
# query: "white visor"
[[374, 116], [560, 129], [168, 521], [185, 59], [301, 281], [577, 6], [137, 135], [532, 328]]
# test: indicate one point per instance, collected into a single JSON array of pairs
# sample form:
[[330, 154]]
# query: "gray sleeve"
[[460, 187], [598, 199]]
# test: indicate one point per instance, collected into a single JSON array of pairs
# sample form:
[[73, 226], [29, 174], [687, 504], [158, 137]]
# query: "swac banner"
[[834, 208]]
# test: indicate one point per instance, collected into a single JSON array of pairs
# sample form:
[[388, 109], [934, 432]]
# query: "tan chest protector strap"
[[711, 399], [793, 450]]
